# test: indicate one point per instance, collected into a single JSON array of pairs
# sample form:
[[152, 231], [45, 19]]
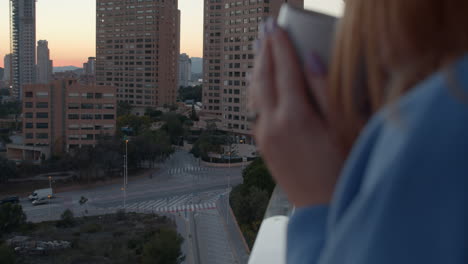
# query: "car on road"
[[43, 200], [41, 193], [13, 200]]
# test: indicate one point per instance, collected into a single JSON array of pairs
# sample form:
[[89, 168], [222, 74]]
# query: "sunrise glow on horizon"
[[69, 27]]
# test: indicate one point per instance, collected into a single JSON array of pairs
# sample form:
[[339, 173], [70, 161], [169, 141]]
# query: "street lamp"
[[49, 196], [125, 183]]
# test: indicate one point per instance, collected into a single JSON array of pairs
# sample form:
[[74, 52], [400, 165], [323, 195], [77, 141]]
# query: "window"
[[42, 94], [73, 116], [73, 106], [42, 115], [29, 135], [87, 106], [28, 94], [42, 125], [108, 116], [28, 125], [86, 116], [28, 115], [28, 105], [73, 127], [42, 135], [42, 105]]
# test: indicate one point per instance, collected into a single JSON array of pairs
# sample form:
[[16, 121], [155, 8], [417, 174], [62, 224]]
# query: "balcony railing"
[[270, 245]]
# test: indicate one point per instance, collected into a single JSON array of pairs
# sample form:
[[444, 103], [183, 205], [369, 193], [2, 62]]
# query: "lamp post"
[[125, 174]]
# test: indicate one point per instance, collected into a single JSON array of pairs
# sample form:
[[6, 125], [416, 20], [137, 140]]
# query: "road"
[[181, 187]]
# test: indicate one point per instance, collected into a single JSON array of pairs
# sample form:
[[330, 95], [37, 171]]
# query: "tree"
[[155, 115], [164, 248], [124, 108], [193, 114], [257, 175], [7, 255], [67, 219], [249, 200], [174, 126], [8, 169], [150, 146], [137, 123], [190, 93], [12, 217]]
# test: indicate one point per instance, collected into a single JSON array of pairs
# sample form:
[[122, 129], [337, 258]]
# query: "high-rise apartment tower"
[[44, 64], [138, 50], [230, 27], [185, 70], [23, 43]]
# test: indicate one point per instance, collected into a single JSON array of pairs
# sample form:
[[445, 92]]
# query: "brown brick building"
[[65, 114], [137, 48], [230, 27]]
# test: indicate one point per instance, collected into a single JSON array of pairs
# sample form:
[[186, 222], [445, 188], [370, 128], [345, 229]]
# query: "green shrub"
[[7, 255], [163, 247], [12, 218], [67, 219], [91, 228], [121, 215]]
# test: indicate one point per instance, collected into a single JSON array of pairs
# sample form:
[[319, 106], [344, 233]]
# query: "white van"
[[41, 193]]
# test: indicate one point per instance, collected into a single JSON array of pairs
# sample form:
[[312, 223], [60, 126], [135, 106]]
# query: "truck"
[[41, 193]]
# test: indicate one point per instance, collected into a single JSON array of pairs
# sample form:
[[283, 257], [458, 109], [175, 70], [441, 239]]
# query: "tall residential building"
[[44, 64], [138, 50], [65, 114], [23, 44], [8, 69], [89, 67], [185, 70], [230, 27]]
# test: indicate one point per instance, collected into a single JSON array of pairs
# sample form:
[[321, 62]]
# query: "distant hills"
[[197, 65], [65, 68]]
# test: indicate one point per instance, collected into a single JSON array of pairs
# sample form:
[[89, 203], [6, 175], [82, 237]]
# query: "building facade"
[[8, 69], [89, 67], [23, 44], [185, 70], [138, 50], [44, 64], [65, 114], [230, 27]]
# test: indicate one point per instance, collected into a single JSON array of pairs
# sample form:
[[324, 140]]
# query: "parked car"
[[41, 201], [41, 193], [13, 200]]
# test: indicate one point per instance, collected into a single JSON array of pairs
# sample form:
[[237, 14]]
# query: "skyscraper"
[[230, 27], [44, 64], [7, 65], [137, 48], [23, 44], [185, 70], [89, 67]]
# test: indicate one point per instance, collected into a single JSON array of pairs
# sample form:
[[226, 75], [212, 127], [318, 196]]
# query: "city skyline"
[[73, 41]]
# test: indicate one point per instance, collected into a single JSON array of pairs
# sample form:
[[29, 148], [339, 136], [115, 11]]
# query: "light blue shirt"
[[403, 194]]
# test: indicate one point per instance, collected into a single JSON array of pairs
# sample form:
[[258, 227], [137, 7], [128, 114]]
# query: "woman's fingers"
[[289, 76], [316, 76], [262, 89]]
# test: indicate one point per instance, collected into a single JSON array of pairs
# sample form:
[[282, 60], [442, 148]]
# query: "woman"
[[379, 171]]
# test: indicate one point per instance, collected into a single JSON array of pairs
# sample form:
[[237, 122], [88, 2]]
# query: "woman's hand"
[[293, 138]]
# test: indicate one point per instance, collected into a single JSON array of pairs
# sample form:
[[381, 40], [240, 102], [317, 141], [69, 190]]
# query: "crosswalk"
[[178, 203], [173, 171]]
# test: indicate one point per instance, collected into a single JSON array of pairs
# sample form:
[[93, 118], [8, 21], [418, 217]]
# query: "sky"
[[69, 27]]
